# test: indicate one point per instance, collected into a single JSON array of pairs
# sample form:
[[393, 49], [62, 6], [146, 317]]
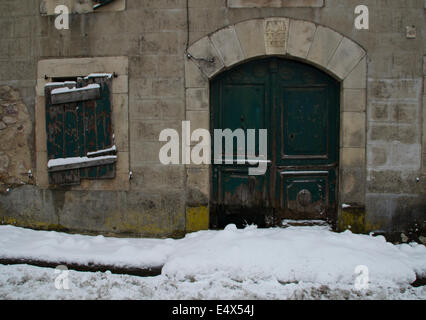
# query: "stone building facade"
[[164, 55]]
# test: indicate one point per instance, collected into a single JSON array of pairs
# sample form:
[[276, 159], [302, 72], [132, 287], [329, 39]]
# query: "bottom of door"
[[221, 216]]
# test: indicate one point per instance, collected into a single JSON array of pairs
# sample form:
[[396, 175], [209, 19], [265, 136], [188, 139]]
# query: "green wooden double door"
[[299, 106]]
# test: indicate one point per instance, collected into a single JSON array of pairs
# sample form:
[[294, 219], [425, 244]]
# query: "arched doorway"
[[299, 105]]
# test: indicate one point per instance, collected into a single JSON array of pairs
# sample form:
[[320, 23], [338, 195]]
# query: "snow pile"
[[67, 90], [50, 246], [274, 256], [98, 152], [76, 160], [65, 83], [28, 282], [98, 75], [295, 254]]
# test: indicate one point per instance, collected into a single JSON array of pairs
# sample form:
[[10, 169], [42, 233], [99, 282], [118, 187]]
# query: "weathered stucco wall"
[[152, 34], [16, 140]]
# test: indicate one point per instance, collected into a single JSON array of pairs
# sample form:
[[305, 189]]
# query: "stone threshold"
[[91, 267]]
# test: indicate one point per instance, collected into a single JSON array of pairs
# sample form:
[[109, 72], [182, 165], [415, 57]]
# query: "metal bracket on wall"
[[188, 55]]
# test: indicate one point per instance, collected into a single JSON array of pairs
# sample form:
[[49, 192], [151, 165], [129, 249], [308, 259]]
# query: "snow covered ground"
[[250, 263]]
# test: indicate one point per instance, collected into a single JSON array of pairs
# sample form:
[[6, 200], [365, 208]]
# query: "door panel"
[[304, 123], [242, 199], [299, 106], [303, 194], [241, 190], [243, 108]]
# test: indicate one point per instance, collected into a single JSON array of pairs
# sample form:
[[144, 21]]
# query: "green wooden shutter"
[[97, 120], [62, 139], [78, 127]]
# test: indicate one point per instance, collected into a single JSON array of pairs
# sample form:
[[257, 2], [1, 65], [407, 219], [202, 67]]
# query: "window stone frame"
[[73, 67]]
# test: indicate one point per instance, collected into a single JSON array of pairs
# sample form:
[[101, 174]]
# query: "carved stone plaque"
[[276, 31]]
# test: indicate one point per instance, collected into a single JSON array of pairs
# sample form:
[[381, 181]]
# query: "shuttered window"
[[79, 130]]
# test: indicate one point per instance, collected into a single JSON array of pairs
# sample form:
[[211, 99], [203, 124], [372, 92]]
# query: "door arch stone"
[[302, 40]]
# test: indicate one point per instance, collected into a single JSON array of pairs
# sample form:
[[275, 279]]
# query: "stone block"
[[300, 38], [197, 218], [149, 130], [155, 43], [228, 45], [158, 178], [168, 87], [352, 218], [406, 134], [149, 109], [146, 152], [194, 78], [380, 208], [379, 112], [347, 56], [424, 165], [424, 58], [120, 84], [40, 125], [210, 62], [140, 88], [174, 176], [27, 207], [143, 66], [396, 181], [353, 129], [120, 115], [406, 89], [198, 186], [353, 157], [147, 178], [172, 109], [354, 100], [357, 79], [378, 155], [197, 99], [404, 113], [405, 156], [353, 185], [251, 36], [198, 119], [123, 161], [41, 171], [324, 45], [120, 182], [145, 109], [424, 123]]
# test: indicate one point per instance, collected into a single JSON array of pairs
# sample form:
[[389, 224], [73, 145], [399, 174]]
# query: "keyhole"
[[292, 136]]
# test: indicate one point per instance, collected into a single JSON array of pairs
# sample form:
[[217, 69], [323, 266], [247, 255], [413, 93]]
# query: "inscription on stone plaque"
[[276, 35]]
